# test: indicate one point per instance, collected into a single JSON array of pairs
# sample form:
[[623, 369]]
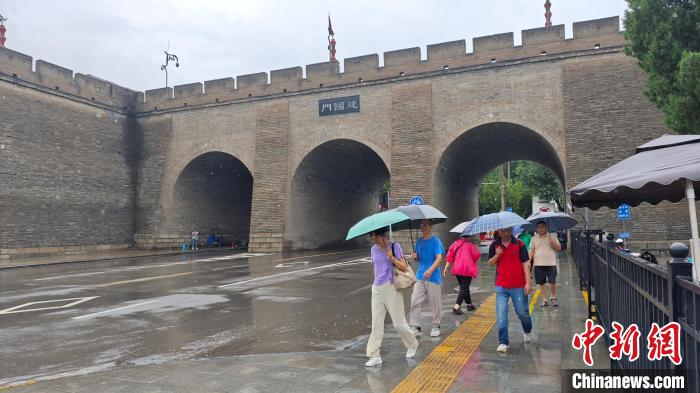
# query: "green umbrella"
[[374, 222]]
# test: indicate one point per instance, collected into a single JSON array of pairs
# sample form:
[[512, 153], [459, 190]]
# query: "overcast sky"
[[123, 41]]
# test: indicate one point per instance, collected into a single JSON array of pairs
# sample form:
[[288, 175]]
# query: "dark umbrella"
[[556, 221], [667, 168], [417, 213]]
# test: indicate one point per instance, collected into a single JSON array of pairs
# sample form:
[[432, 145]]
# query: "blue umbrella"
[[556, 221], [493, 222], [519, 229]]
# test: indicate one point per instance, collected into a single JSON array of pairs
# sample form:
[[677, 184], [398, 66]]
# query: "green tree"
[[664, 36], [527, 179], [541, 182]]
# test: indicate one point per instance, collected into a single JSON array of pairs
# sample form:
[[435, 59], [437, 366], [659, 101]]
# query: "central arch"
[[467, 160], [335, 185]]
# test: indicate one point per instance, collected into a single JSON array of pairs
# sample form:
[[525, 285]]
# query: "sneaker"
[[416, 331], [502, 348], [527, 337], [457, 311], [554, 302], [411, 352], [471, 307], [435, 331], [375, 361]]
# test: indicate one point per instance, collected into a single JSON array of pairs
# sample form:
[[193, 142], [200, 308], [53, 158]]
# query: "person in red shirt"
[[512, 282]]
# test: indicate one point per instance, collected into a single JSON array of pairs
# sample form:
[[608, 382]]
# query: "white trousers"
[[387, 298]]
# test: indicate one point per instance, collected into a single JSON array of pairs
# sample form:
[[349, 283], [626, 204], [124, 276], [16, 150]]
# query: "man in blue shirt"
[[428, 252]]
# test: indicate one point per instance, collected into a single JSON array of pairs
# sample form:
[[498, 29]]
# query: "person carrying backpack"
[[512, 282]]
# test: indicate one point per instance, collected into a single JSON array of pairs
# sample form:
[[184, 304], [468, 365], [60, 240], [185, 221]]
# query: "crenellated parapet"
[[493, 49], [536, 43], [19, 67]]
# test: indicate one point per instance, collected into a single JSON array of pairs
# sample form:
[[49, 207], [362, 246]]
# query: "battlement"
[[587, 35], [51, 76]]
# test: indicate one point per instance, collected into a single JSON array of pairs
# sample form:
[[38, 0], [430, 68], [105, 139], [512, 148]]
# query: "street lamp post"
[[168, 58]]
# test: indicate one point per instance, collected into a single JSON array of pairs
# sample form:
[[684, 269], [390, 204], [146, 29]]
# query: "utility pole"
[[503, 188]]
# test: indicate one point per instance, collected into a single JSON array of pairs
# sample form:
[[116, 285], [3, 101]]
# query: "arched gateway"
[[289, 159]]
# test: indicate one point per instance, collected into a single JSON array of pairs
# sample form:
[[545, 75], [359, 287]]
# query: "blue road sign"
[[509, 209], [624, 212], [624, 235], [416, 200]]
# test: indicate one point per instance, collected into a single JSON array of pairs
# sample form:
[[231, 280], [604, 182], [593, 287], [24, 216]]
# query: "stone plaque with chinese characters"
[[338, 106]]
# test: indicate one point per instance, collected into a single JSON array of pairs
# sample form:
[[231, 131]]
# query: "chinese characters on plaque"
[[338, 106]]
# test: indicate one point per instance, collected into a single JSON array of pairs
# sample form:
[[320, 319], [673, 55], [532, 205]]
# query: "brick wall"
[[269, 188], [75, 148], [606, 117], [67, 172], [411, 146]]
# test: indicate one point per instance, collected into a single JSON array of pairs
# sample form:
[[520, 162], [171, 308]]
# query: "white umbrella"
[[460, 227]]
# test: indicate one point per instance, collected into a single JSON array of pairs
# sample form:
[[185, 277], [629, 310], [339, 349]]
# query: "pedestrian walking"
[[195, 239], [543, 255], [463, 257], [526, 238], [512, 283], [428, 252], [385, 297]]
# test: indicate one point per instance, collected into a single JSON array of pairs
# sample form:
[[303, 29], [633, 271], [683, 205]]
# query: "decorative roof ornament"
[[2, 31], [548, 14], [331, 40], [168, 58]]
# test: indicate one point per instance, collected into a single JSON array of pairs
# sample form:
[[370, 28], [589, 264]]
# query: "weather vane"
[[168, 58]]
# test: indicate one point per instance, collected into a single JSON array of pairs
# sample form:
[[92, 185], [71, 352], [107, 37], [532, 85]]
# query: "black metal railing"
[[629, 290]]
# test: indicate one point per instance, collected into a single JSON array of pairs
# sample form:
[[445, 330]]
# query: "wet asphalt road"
[[86, 317]]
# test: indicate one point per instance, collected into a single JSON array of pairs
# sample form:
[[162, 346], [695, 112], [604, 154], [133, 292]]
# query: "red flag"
[[330, 28]]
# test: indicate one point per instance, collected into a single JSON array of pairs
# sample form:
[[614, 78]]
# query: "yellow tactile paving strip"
[[439, 370]]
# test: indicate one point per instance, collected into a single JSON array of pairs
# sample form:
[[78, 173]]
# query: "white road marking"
[[339, 264], [109, 284], [114, 309], [21, 308], [111, 271], [290, 264], [235, 256], [229, 267]]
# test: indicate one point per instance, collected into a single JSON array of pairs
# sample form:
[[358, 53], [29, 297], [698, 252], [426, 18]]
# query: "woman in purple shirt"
[[386, 255]]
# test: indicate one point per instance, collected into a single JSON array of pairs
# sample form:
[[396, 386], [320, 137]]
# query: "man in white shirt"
[[195, 239], [543, 255]]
